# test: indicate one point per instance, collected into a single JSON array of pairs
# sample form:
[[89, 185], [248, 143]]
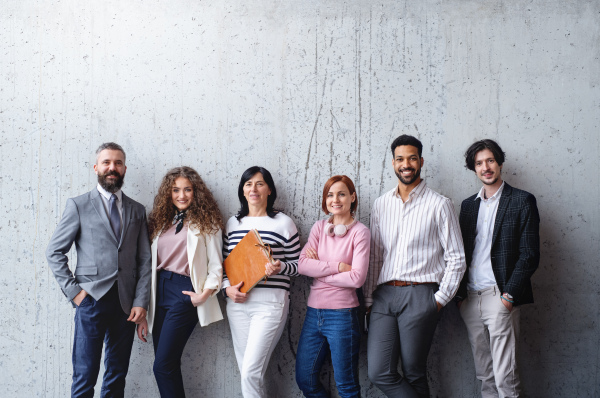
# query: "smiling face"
[[407, 164], [110, 169], [486, 168], [182, 193], [257, 191], [339, 200]]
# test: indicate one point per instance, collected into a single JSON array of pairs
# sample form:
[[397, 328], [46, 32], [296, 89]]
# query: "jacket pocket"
[[86, 270]]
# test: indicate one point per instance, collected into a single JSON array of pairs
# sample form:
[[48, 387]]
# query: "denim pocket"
[[86, 301]]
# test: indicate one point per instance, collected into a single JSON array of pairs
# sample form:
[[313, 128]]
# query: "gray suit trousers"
[[403, 321]]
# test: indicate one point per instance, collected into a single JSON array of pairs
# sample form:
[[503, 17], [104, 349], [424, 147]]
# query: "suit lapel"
[[126, 216], [502, 206], [99, 207], [473, 214]]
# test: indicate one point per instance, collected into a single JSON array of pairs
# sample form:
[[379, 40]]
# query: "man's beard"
[[495, 180], [111, 186], [404, 180]]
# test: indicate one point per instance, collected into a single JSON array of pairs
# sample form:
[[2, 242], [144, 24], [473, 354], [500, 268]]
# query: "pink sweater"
[[332, 289]]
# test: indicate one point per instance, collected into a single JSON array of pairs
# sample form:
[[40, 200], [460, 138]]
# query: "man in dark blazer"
[[110, 286], [500, 229]]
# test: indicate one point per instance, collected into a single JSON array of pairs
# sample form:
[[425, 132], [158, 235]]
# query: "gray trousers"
[[403, 321], [494, 336]]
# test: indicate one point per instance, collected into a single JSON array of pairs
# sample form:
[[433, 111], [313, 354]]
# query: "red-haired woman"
[[337, 257]]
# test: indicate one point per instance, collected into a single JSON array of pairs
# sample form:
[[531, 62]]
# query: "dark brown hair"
[[203, 213], [479, 146]]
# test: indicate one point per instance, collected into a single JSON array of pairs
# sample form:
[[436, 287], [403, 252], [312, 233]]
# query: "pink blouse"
[[172, 251]]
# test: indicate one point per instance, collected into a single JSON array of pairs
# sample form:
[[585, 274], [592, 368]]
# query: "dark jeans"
[[174, 322], [97, 323], [329, 331], [403, 320]]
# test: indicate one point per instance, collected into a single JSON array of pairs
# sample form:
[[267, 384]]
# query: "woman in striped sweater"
[[257, 318]]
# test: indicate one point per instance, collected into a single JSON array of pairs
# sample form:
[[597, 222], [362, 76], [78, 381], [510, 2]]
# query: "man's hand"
[[311, 253], [79, 298], [199, 299], [273, 269], [343, 267], [233, 292], [439, 306], [507, 304], [137, 315], [142, 330]]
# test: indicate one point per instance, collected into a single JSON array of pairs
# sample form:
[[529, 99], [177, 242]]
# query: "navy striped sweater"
[[281, 234]]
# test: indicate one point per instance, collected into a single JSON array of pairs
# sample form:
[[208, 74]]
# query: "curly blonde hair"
[[203, 213]]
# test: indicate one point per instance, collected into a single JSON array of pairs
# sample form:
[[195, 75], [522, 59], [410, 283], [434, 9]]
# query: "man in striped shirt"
[[417, 263]]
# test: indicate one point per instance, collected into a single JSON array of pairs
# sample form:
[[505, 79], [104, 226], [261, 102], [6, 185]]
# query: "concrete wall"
[[307, 89]]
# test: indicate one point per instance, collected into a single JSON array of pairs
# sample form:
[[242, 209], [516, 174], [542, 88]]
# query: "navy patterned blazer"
[[515, 242]]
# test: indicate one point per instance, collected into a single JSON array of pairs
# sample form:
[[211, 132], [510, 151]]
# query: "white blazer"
[[205, 258]]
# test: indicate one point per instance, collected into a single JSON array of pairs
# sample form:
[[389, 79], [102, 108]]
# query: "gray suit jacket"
[[101, 260]]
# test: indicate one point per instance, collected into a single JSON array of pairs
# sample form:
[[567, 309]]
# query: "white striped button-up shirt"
[[416, 241]]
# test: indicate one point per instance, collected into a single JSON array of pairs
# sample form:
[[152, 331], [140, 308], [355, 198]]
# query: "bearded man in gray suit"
[[110, 286]]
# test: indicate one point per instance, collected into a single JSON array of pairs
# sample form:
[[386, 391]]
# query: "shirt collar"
[[107, 194], [417, 191], [494, 196]]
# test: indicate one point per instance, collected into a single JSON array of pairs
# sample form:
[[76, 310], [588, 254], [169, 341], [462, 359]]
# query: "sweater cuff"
[[334, 267]]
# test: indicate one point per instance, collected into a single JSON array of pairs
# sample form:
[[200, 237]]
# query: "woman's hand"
[[233, 292], [273, 269], [343, 267], [311, 253], [142, 330], [199, 299]]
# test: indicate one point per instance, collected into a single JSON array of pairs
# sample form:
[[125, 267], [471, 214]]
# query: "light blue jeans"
[[324, 332]]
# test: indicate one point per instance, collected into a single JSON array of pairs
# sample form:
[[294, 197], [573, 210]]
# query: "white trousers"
[[255, 329], [493, 333]]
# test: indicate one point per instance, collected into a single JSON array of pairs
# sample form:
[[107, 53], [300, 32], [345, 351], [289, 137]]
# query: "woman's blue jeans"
[[324, 332]]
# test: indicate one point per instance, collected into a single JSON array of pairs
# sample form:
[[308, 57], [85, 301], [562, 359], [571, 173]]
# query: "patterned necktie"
[[178, 219], [115, 219]]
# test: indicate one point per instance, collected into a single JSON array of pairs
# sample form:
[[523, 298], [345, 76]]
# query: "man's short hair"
[[406, 139], [480, 146], [112, 146]]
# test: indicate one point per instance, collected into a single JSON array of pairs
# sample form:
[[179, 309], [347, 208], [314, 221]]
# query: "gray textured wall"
[[308, 89]]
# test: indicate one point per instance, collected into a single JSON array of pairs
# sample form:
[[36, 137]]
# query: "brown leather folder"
[[247, 260]]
